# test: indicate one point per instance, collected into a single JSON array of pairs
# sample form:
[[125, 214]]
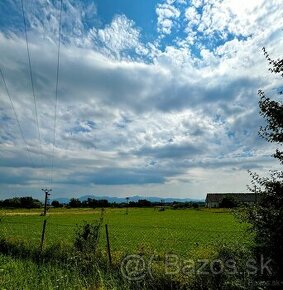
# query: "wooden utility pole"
[[43, 235], [46, 191]]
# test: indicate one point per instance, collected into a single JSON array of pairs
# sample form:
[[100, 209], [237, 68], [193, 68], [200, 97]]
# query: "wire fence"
[[124, 238], [31, 231]]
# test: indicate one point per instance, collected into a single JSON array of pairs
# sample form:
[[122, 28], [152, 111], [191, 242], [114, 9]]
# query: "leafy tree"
[[266, 217], [75, 202], [56, 203], [29, 202], [103, 203], [21, 202], [143, 203]]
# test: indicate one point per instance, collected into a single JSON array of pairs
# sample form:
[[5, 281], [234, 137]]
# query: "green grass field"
[[190, 233], [148, 230]]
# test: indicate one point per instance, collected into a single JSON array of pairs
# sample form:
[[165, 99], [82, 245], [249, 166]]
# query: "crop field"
[[146, 229]]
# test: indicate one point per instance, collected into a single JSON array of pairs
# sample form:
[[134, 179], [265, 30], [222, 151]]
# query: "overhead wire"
[[32, 81], [34, 96], [16, 117], [56, 93]]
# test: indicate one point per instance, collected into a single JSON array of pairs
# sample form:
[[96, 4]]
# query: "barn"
[[213, 200]]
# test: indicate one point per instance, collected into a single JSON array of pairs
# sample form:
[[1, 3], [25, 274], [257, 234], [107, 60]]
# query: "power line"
[[56, 93], [31, 79], [16, 116]]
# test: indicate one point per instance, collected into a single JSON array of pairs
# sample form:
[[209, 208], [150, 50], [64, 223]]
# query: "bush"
[[266, 216], [56, 204], [86, 239], [226, 267]]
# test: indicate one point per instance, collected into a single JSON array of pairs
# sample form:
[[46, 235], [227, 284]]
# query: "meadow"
[[141, 230], [190, 233]]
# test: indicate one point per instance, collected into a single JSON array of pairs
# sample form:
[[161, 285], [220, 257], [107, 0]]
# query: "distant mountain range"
[[134, 198]]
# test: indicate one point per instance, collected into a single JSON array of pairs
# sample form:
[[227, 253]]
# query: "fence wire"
[[124, 237]]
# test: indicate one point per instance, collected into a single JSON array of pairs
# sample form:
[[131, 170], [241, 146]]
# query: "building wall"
[[212, 204]]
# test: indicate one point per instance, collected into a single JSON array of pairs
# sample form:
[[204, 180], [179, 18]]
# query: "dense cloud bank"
[[169, 116]]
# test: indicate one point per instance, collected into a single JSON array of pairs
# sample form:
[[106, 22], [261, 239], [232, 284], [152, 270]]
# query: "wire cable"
[[32, 81], [56, 93], [16, 117]]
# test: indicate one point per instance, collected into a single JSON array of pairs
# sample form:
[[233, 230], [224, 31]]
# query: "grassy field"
[[27, 274], [146, 229], [191, 233]]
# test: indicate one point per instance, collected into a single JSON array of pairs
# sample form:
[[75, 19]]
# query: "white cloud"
[[240, 18], [192, 16], [178, 117], [43, 18], [197, 3], [119, 35], [166, 14]]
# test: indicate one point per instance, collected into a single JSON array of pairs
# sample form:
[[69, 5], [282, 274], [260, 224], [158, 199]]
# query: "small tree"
[[266, 217], [75, 202], [56, 203]]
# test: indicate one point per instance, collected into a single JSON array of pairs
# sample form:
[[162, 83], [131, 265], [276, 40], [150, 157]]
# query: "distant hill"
[[134, 198]]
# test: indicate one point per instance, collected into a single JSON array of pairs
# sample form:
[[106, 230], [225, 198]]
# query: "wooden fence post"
[[43, 235], [108, 244]]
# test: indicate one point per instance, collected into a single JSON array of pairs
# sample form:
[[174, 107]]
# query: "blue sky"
[[156, 98]]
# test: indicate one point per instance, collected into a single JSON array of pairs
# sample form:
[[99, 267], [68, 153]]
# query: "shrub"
[[86, 239]]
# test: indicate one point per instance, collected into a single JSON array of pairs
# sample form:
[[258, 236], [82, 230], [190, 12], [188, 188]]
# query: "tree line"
[[21, 202], [29, 203]]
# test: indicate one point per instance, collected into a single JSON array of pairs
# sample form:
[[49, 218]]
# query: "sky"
[[154, 98]]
